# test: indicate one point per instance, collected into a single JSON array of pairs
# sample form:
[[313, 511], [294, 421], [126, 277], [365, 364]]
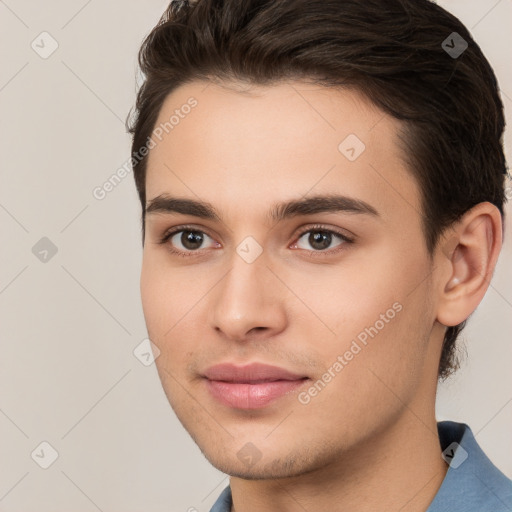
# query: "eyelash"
[[317, 227]]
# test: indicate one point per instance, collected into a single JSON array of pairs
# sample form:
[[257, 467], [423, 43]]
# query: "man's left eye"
[[321, 239]]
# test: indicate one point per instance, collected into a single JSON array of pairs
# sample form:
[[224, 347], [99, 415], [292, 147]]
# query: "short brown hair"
[[396, 52]]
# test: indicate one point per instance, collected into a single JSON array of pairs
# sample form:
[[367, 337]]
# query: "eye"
[[321, 239], [185, 240], [189, 241]]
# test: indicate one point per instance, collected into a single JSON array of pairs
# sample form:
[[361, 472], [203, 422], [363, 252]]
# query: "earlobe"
[[468, 257]]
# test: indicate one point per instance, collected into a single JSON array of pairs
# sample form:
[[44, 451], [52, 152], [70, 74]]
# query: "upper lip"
[[250, 373]]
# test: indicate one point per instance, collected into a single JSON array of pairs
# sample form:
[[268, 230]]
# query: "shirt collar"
[[472, 483]]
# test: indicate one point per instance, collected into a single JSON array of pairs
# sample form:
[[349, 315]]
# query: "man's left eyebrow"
[[320, 204]]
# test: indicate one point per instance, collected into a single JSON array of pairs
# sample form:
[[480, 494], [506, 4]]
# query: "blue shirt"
[[472, 483]]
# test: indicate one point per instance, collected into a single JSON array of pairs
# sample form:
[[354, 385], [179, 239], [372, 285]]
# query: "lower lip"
[[251, 396]]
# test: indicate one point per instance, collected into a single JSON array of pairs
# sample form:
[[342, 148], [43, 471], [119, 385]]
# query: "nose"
[[249, 302]]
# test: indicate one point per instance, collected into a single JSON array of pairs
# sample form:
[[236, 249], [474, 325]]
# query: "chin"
[[264, 465]]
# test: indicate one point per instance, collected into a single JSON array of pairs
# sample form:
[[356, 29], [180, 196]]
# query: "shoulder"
[[472, 483], [224, 501]]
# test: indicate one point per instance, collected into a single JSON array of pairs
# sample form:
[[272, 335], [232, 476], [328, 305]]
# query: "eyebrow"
[[165, 203]]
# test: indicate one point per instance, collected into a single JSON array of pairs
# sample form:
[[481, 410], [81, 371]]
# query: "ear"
[[466, 256]]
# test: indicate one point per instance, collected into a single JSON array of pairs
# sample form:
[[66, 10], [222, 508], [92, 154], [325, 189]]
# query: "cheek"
[[167, 293], [375, 311], [163, 307], [343, 301], [155, 296], [371, 368], [172, 305]]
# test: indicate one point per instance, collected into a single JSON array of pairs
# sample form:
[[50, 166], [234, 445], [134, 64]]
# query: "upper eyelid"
[[319, 227], [178, 229]]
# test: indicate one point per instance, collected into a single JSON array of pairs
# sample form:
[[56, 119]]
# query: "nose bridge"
[[246, 297]]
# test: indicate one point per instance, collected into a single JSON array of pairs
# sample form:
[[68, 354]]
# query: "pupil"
[[320, 240], [191, 239]]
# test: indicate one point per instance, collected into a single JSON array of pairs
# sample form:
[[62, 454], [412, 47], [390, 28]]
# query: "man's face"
[[340, 299]]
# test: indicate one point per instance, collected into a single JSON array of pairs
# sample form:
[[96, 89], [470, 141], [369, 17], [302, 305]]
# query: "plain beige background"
[[70, 323]]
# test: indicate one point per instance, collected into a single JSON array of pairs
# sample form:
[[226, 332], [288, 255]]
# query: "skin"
[[368, 440]]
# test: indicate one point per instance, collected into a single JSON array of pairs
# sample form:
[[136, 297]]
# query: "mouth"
[[253, 386]]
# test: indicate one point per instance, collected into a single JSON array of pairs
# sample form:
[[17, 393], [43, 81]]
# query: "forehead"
[[257, 145]]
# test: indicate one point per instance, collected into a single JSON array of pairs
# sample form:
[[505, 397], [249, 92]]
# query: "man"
[[322, 184]]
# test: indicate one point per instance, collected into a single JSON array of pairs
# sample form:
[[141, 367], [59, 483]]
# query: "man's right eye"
[[185, 240]]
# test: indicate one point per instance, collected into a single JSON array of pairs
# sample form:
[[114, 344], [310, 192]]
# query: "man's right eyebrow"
[[167, 204]]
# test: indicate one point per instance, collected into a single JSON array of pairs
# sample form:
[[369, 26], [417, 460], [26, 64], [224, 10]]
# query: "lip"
[[252, 386], [250, 373]]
